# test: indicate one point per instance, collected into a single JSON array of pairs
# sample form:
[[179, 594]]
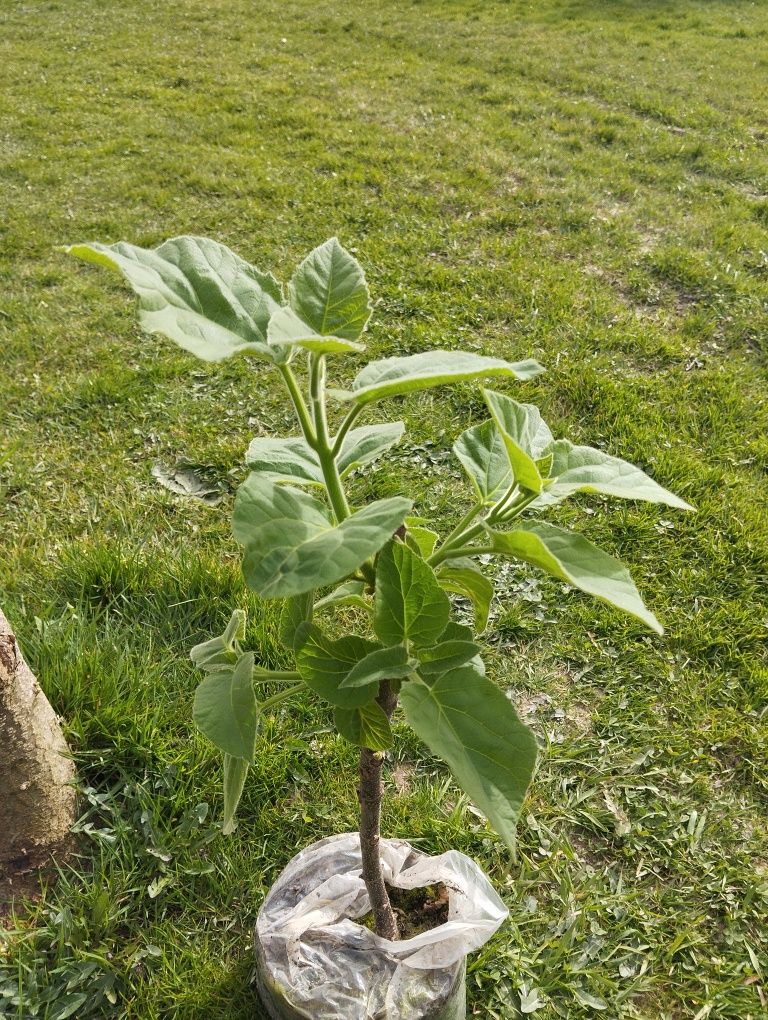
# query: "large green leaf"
[[235, 771], [366, 726], [465, 719], [584, 469], [364, 445], [432, 368], [225, 709], [196, 292], [484, 457], [462, 577], [410, 605], [382, 664], [284, 460], [524, 434], [285, 327], [324, 664], [574, 559], [291, 545], [328, 292]]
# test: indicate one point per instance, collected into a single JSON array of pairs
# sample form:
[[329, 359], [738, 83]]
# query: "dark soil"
[[416, 910]]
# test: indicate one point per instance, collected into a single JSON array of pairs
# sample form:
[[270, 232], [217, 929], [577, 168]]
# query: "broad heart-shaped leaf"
[[577, 561], [325, 663], [226, 711], [296, 612], [462, 577], [392, 376], [409, 605], [196, 292], [525, 436], [483, 456], [584, 469], [328, 292], [284, 460], [465, 719], [291, 546], [221, 652], [235, 771], [383, 664], [285, 327], [366, 726], [363, 445]]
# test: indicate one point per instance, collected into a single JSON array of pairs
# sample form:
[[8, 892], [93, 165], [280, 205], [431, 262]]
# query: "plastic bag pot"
[[314, 962]]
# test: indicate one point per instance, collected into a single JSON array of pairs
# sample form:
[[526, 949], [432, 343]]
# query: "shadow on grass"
[[234, 997]]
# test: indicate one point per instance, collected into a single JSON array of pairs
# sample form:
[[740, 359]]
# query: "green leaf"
[[462, 577], [296, 612], [324, 664], [348, 594], [584, 469], [196, 292], [446, 655], [366, 726], [285, 327], [284, 460], [393, 376], [222, 651], [574, 559], [291, 546], [225, 709], [465, 719], [328, 292], [483, 456], [235, 771], [364, 445], [421, 540], [409, 605], [525, 436], [383, 664]]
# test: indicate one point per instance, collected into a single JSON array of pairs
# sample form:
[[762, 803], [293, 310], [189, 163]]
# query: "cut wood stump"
[[37, 795]]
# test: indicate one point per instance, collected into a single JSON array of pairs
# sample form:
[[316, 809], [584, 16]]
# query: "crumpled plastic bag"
[[315, 962]]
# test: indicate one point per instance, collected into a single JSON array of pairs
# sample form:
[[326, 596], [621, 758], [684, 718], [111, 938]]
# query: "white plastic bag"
[[315, 962]]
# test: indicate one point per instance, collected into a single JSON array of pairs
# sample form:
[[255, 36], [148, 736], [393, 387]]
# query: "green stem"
[[498, 513], [280, 696], [346, 425], [458, 530], [459, 551], [447, 550], [302, 411], [277, 676], [323, 449]]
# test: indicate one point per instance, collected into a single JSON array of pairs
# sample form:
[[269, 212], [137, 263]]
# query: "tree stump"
[[37, 801]]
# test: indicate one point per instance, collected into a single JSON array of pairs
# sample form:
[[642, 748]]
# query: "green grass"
[[583, 182]]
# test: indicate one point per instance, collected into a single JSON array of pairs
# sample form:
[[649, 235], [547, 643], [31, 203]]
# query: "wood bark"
[[37, 801], [369, 793]]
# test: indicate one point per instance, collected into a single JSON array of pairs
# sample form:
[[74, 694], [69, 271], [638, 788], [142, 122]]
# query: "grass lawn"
[[580, 181]]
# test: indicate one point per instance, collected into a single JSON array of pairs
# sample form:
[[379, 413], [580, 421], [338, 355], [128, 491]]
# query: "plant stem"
[[323, 449], [280, 696], [302, 411], [346, 425], [369, 793]]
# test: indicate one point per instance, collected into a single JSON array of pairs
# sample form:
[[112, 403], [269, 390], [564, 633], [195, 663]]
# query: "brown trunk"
[[37, 805], [369, 793]]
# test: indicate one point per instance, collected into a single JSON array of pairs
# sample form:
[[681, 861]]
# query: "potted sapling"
[[307, 543]]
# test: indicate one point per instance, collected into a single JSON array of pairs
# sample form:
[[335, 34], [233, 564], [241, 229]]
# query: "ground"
[[583, 182]]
